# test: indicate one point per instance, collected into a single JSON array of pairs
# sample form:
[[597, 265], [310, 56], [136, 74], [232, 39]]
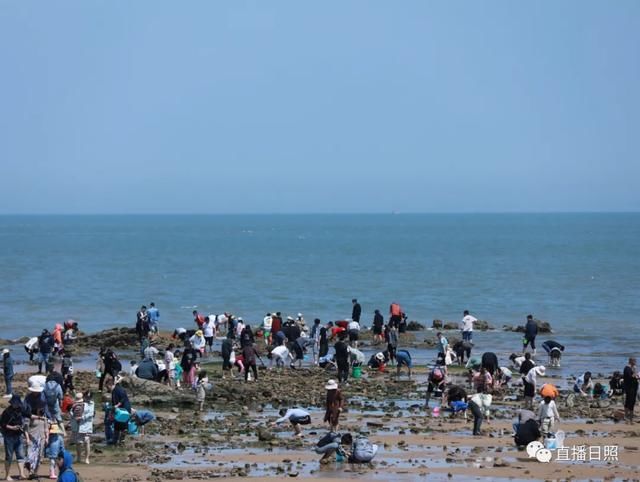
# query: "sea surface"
[[581, 272]]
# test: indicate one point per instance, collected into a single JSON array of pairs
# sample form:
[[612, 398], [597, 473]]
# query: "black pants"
[[531, 340], [630, 396], [104, 375], [343, 371], [477, 417], [253, 368], [324, 349]]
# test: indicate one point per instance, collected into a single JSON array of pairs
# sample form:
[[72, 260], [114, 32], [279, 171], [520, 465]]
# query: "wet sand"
[[234, 436]]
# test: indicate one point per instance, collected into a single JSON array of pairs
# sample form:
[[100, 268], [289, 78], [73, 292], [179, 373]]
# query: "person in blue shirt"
[[65, 467], [141, 418], [154, 317]]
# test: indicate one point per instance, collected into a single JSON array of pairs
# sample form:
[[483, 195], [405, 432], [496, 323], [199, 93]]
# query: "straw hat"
[[199, 333], [79, 397], [331, 385]]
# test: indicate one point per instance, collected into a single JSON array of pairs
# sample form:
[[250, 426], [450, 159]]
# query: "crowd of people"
[[52, 406]]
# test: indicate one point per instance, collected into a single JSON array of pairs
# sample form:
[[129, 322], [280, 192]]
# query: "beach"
[[234, 435]]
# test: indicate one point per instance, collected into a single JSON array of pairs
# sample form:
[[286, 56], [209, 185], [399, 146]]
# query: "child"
[[547, 415], [133, 368], [195, 368], [170, 364], [82, 426], [55, 445], [77, 409], [177, 369], [201, 389]]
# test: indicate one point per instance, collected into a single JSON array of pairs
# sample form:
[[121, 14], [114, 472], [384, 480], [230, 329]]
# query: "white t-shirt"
[[353, 325], [30, 344], [280, 352], [467, 323], [209, 326], [266, 322]]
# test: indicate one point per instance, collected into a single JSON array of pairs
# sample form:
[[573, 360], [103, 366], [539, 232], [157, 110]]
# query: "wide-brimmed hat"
[[380, 356], [5, 350], [35, 386], [79, 397], [331, 385], [199, 333]]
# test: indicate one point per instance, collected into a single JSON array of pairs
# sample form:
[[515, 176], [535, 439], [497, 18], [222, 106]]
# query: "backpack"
[[51, 393], [363, 450], [327, 439]]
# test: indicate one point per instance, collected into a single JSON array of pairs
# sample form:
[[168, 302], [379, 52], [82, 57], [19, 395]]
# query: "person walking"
[[82, 426], [11, 423], [154, 317], [530, 333], [334, 405], [630, 386]]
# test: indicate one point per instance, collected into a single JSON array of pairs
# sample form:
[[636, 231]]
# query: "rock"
[[415, 326], [437, 324], [147, 392], [264, 435], [482, 325], [499, 462], [451, 326]]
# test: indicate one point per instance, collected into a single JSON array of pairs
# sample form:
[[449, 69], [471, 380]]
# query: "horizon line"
[[314, 213]]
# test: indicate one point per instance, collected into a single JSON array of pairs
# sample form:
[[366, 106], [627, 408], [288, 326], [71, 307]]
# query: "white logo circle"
[[543, 455], [533, 447]]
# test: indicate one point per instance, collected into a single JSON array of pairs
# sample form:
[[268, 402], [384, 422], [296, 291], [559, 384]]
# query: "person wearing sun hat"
[[7, 363], [55, 445], [198, 342], [334, 404]]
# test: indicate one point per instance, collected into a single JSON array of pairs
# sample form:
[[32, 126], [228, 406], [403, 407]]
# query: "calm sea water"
[[579, 271]]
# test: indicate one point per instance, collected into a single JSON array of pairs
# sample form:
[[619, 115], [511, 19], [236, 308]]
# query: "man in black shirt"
[[342, 358], [357, 310]]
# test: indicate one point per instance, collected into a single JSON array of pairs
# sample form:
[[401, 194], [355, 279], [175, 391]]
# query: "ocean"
[[580, 272]]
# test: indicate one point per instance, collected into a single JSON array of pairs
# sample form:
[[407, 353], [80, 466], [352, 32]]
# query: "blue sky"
[[332, 106]]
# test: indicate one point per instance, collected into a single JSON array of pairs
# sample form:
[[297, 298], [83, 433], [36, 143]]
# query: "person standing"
[[467, 326], [356, 311], [334, 405], [530, 333], [353, 329], [154, 317], [119, 399], [342, 358], [142, 324], [45, 346], [391, 335], [548, 415], [630, 386], [7, 365], [249, 354], [443, 344], [11, 423], [395, 314], [82, 427], [378, 325]]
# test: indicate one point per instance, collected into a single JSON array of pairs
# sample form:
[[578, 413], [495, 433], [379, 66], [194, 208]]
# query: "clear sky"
[[325, 106]]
